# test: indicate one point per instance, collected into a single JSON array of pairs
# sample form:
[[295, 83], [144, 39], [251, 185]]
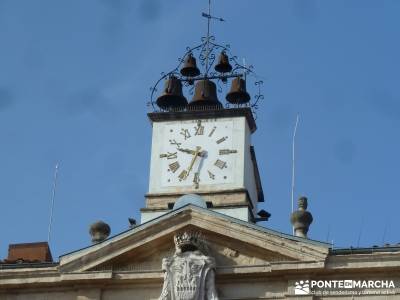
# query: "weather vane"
[[205, 85], [209, 17]]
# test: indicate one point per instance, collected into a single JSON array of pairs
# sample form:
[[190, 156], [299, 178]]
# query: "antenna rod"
[[360, 232], [329, 232], [384, 232], [53, 197], [293, 161]]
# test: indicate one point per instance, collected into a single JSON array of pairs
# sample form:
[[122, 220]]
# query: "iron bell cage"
[[218, 68]]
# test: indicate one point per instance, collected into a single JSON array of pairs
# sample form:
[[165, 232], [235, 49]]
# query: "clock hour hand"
[[195, 154]]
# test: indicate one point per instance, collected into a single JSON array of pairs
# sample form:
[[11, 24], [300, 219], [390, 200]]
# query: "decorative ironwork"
[[206, 54]]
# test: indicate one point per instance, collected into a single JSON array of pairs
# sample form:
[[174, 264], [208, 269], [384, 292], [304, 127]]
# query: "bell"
[[238, 93], [205, 94], [189, 68], [223, 65], [172, 96]]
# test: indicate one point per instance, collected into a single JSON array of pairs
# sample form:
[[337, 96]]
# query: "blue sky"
[[75, 78]]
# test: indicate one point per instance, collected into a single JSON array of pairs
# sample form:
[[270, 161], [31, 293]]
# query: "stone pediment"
[[230, 254], [233, 243]]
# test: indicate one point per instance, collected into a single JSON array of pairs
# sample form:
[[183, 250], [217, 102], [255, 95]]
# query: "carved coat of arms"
[[189, 274]]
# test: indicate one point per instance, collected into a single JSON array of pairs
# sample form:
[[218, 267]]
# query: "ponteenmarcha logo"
[[302, 287], [306, 287]]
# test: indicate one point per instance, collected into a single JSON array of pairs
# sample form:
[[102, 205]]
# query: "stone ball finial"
[[301, 218], [99, 231]]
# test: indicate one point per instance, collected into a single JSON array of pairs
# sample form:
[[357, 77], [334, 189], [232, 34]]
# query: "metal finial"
[[209, 17]]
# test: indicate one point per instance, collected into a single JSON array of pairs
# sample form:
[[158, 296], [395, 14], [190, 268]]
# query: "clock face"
[[197, 153]]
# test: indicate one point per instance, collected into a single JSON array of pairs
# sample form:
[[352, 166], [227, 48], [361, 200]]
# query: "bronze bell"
[[238, 93], [189, 68], [172, 96], [205, 94], [223, 65]]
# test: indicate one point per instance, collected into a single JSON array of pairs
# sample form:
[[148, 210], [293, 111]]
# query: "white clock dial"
[[197, 153]]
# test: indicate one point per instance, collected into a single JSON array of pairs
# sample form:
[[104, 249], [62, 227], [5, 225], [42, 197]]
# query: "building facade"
[[205, 245], [250, 262]]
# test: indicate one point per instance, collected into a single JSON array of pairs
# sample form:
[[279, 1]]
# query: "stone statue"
[[190, 273]]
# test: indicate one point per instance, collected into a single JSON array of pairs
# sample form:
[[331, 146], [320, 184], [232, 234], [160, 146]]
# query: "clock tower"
[[203, 146]]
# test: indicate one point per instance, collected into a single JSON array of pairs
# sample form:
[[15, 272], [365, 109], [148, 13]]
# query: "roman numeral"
[[169, 155], [212, 131], [199, 129], [173, 142], [196, 180], [174, 166], [226, 151], [222, 139], [220, 164], [183, 175], [211, 175], [185, 133]]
